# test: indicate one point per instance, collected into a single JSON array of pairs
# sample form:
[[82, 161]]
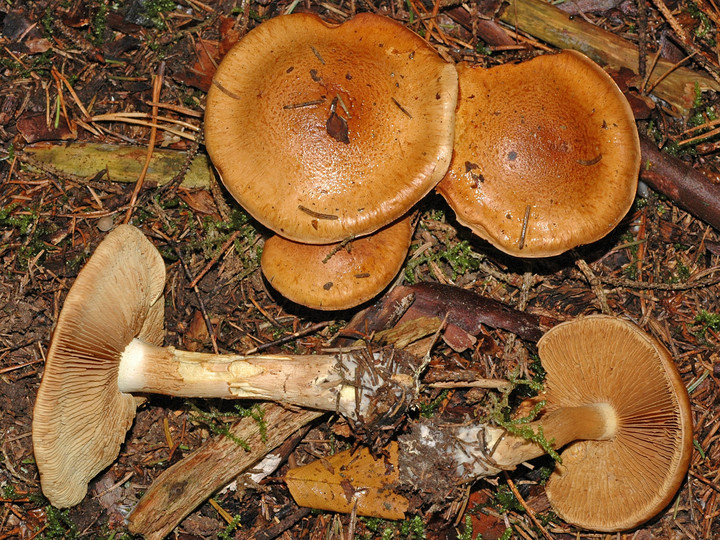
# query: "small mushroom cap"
[[617, 484], [546, 154], [335, 276], [323, 132], [80, 417]]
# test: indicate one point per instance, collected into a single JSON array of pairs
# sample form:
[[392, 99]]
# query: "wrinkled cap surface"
[[325, 132], [331, 277], [617, 484], [546, 154], [80, 417]]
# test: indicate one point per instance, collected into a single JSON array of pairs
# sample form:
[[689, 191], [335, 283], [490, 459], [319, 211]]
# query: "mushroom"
[[106, 347], [546, 154], [337, 276], [614, 401], [324, 132], [612, 384]]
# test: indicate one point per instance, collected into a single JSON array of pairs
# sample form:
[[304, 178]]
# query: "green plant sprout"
[[227, 534], [505, 500], [213, 420], [460, 257], [428, 410], [706, 321], [155, 9], [500, 412], [59, 524]]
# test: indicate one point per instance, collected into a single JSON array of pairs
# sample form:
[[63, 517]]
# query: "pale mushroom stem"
[[338, 382], [561, 426]]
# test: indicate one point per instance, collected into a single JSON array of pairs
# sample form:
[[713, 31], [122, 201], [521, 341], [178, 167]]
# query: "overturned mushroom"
[[614, 401], [106, 347], [337, 276], [324, 132], [546, 154]]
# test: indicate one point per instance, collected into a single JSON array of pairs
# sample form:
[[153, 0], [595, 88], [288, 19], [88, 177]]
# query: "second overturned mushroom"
[[616, 408], [105, 348]]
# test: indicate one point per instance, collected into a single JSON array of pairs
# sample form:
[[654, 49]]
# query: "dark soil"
[[659, 267]]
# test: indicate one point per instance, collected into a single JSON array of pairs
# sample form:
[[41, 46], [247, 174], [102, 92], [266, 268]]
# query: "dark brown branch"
[[677, 180], [460, 307]]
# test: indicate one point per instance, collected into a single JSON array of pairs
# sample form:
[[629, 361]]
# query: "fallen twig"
[[188, 483], [157, 87], [677, 180], [546, 22], [83, 160], [463, 308]]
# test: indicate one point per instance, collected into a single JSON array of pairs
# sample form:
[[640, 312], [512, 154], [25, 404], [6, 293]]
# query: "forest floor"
[[73, 72]]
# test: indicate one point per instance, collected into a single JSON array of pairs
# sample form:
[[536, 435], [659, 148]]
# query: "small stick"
[[319, 215], [305, 104], [633, 284], [309, 330], [596, 286], [317, 54], [215, 258], [669, 71], [342, 104], [338, 247], [157, 86], [672, 21], [476, 383], [20, 366], [527, 509], [404, 111], [128, 117], [526, 218], [224, 90]]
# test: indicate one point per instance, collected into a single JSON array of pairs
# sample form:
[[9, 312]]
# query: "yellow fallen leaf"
[[342, 481]]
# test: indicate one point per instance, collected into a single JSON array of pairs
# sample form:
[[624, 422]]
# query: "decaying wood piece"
[[188, 483], [548, 23], [686, 186], [460, 307], [120, 163]]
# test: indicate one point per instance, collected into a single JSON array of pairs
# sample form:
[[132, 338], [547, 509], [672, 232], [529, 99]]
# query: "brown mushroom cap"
[[617, 484], [325, 132], [332, 276], [546, 154], [80, 417]]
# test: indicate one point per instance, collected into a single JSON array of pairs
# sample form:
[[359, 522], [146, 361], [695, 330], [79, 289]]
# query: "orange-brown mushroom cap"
[[80, 417], [323, 132], [334, 276], [617, 484], [546, 154]]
